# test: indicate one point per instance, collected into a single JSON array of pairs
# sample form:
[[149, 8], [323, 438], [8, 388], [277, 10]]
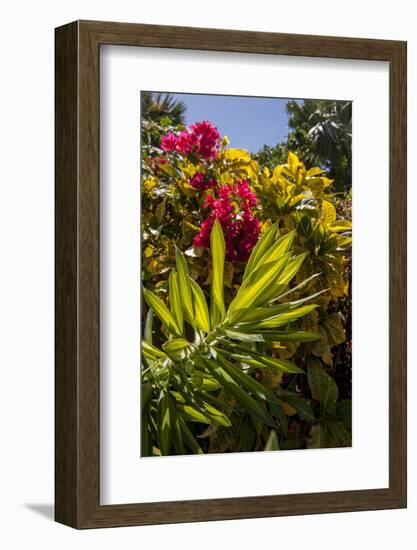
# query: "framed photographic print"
[[230, 274]]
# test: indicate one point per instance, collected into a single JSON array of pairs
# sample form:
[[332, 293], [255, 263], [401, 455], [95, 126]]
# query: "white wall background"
[[26, 272]]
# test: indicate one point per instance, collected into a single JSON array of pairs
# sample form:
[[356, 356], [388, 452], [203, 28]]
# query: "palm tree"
[[322, 135], [156, 106]]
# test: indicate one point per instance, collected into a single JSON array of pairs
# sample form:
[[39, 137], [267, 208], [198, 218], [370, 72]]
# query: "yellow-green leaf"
[[293, 163], [340, 226], [175, 345], [285, 318], [192, 414], [184, 285], [201, 314], [151, 352], [272, 444], [328, 212], [252, 294], [276, 251], [147, 330], [260, 249], [218, 250], [273, 362], [217, 416], [164, 423], [175, 300], [316, 171], [237, 155], [292, 268], [161, 311]]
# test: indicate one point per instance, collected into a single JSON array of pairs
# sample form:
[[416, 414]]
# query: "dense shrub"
[[278, 391]]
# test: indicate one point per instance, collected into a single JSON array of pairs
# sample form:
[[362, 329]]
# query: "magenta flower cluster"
[[201, 139], [202, 182], [233, 209], [232, 205]]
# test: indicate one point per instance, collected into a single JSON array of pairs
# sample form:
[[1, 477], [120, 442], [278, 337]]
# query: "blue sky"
[[249, 122]]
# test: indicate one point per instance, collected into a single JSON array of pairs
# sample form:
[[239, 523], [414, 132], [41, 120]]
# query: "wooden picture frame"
[[77, 404]]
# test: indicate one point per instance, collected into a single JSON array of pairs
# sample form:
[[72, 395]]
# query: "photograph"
[[209, 266], [246, 241]]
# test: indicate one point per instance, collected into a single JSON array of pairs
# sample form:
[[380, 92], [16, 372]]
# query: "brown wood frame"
[[77, 274]]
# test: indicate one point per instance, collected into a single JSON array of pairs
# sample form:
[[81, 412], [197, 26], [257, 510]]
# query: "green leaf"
[[218, 250], [199, 410], [164, 423], [285, 318], [317, 439], [258, 412], [168, 169], [281, 364], [256, 293], [147, 331], [322, 386], [176, 345], [344, 412], [340, 433], [246, 360], [280, 279], [272, 444], [184, 285], [303, 408], [206, 382], [335, 329], [273, 362], [289, 336], [176, 434], [247, 435], [277, 410], [189, 438], [175, 300], [146, 436], [299, 287], [314, 172], [265, 284], [255, 314], [252, 315], [244, 379], [192, 414], [201, 314], [260, 249], [288, 273], [217, 416], [152, 352], [341, 225], [209, 398], [242, 336], [161, 311], [328, 212], [275, 252], [146, 396]]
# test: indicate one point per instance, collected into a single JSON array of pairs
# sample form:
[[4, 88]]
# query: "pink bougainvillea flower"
[[250, 230], [207, 139], [201, 139], [243, 190], [240, 227], [201, 182], [233, 205], [186, 142], [169, 142]]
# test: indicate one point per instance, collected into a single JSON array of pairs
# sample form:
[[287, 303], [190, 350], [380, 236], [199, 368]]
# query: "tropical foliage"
[[321, 135], [246, 284]]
